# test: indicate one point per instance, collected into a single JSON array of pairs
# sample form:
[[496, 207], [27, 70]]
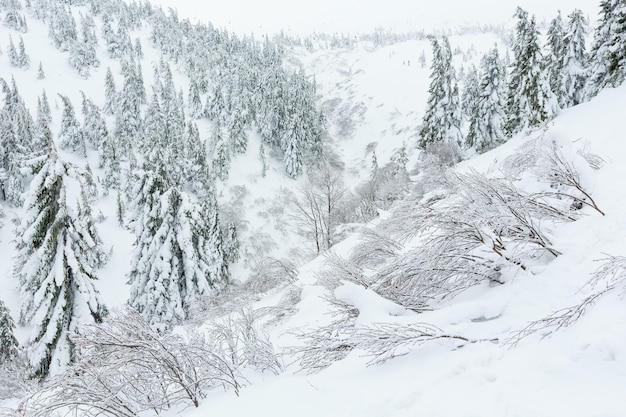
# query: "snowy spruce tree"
[[40, 73], [17, 132], [486, 129], [530, 100], [178, 253], [8, 342], [441, 124], [110, 94], [71, 135], [608, 50], [555, 56], [58, 254], [575, 60]]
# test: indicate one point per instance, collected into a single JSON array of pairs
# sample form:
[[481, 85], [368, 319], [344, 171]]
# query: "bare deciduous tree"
[[316, 209]]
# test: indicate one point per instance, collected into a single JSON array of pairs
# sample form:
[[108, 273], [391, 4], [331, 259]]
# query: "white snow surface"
[[352, 16], [577, 372]]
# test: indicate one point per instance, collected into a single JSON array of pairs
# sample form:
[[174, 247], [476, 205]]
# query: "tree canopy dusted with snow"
[[17, 132], [575, 59], [8, 342], [442, 119], [58, 253], [486, 130], [178, 252], [555, 54], [608, 51], [71, 135], [530, 99]]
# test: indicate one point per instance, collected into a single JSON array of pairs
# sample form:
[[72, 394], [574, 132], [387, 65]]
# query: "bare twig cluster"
[[463, 238], [610, 276], [563, 172], [127, 368], [385, 341], [326, 345], [242, 344]]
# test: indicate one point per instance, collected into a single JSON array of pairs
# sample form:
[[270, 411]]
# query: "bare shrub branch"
[[126, 368], [326, 345], [385, 341], [560, 170], [374, 249], [269, 274], [285, 308], [611, 275], [242, 343], [337, 269]]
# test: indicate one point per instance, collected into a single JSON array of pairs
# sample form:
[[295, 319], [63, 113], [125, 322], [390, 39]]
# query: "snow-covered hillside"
[[525, 317]]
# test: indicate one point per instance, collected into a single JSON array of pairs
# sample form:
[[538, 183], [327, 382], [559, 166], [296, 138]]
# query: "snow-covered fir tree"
[[8, 342], [94, 127], [40, 73], [575, 59], [441, 124], [71, 135], [486, 130], [555, 54], [221, 152], [23, 60], [128, 119], [530, 100], [110, 94], [17, 131], [608, 51], [58, 253], [14, 58], [471, 91], [178, 252]]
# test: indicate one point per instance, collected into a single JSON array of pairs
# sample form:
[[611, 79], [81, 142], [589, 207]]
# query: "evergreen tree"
[[109, 160], [17, 132], [58, 252], [110, 94], [471, 92], [128, 122], [43, 108], [442, 121], [40, 74], [14, 58], [530, 100], [178, 252], [575, 60], [23, 60], [555, 57], [608, 51], [71, 135], [486, 129], [195, 103], [8, 342], [94, 126], [221, 153]]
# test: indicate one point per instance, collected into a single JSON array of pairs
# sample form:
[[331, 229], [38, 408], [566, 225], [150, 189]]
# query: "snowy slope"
[[351, 17], [579, 371]]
